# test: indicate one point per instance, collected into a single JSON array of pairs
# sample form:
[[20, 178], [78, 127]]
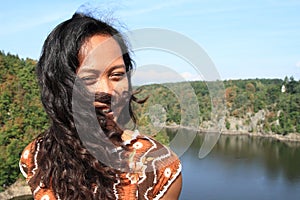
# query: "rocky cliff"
[[17, 191]]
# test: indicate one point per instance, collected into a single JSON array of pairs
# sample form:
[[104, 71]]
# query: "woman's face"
[[102, 69]]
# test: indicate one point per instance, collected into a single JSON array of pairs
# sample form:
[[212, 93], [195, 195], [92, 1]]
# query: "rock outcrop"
[[17, 191]]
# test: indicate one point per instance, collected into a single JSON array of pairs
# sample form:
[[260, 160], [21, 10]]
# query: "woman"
[[84, 73]]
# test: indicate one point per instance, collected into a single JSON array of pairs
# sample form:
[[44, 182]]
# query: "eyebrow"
[[87, 70], [117, 67], [94, 71]]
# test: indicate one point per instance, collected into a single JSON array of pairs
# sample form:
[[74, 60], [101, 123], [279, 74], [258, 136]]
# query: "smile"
[[106, 110]]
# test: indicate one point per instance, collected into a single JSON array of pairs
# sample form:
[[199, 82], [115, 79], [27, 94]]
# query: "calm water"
[[241, 167]]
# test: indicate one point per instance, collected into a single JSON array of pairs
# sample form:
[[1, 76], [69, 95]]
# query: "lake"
[[241, 167]]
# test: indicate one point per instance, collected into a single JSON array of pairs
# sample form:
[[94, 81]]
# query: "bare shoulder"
[[174, 190]]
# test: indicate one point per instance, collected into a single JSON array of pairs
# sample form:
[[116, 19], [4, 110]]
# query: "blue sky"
[[244, 39]]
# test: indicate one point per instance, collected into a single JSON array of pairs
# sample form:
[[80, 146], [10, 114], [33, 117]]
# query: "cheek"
[[122, 86], [119, 97]]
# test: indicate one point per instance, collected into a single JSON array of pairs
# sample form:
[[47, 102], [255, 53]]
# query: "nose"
[[104, 85]]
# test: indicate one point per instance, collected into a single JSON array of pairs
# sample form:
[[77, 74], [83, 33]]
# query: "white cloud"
[[161, 74], [149, 76], [191, 77], [298, 64]]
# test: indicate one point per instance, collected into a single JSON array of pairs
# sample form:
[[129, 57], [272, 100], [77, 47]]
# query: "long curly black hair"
[[66, 165]]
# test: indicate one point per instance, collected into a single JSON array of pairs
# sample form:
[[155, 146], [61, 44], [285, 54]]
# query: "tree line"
[[279, 99]]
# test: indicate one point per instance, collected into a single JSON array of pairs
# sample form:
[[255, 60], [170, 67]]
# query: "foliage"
[[227, 124], [253, 95], [244, 98], [21, 114]]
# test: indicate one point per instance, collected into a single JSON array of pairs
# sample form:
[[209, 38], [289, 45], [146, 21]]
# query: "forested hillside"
[[273, 104], [277, 100], [21, 113], [254, 105]]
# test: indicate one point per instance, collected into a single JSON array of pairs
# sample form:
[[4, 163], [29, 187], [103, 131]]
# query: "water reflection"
[[242, 167]]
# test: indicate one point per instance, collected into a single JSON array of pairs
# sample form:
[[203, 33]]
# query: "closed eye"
[[89, 80], [116, 76]]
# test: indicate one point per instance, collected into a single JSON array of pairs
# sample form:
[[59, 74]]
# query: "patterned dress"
[[153, 168]]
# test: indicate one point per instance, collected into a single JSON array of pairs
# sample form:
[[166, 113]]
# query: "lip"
[[106, 109]]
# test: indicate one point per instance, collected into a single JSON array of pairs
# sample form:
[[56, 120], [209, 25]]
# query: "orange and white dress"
[[153, 169]]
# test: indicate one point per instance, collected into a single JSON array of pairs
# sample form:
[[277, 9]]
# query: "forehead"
[[99, 48]]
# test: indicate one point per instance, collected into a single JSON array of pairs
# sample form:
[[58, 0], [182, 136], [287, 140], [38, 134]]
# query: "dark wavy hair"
[[65, 164]]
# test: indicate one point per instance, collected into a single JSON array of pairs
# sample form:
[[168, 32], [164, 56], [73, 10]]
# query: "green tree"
[[21, 114]]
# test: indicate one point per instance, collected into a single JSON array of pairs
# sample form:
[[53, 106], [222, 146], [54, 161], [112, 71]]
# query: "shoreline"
[[290, 137]]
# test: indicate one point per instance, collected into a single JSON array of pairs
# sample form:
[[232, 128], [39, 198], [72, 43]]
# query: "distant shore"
[[290, 137]]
